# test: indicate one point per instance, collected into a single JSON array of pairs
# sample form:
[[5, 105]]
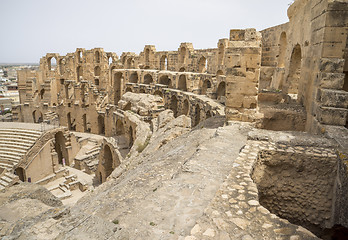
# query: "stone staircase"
[[14, 144], [7, 180]]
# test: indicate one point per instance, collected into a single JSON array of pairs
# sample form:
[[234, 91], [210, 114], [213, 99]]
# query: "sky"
[[32, 28]]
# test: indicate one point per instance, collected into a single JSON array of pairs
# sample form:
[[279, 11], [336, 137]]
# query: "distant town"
[[9, 95]]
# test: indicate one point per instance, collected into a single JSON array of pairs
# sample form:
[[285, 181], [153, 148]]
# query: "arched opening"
[[128, 89], [182, 83], [207, 115], [107, 160], [133, 78], [182, 55], [221, 54], [165, 80], [118, 77], [52, 63], [148, 79], [97, 71], [147, 67], [202, 63], [197, 115], [97, 57], [185, 107], [294, 70], [163, 63], [20, 172], [37, 116], [101, 125], [68, 116], [129, 63], [221, 92], [205, 86], [42, 93], [119, 127], [182, 69], [61, 66], [127, 107], [219, 73], [110, 60], [282, 50], [131, 140], [158, 93], [174, 105], [60, 148], [79, 73], [84, 122], [142, 91]]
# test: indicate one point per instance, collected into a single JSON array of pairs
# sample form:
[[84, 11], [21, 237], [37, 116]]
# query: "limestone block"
[[333, 98], [332, 116], [331, 80], [235, 101], [233, 61], [331, 65]]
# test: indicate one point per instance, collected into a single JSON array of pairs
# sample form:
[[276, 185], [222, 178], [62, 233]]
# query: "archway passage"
[[52, 63], [219, 73], [101, 125], [186, 107], [221, 92], [197, 115], [20, 172], [183, 55], [97, 71], [60, 147], [148, 79], [84, 122], [119, 127], [182, 83], [79, 73], [130, 137], [164, 63], [108, 161], [182, 69], [68, 116], [165, 80], [142, 91], [294, 70], [207, 115], [37, 116], [158, 93], [206, 85], [118, 79], [282, 50], [133, 78], [128, 89], [202, 64], [174, 105], [97, 57]]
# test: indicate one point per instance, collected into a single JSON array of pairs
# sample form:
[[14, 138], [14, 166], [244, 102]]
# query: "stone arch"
[[294, 70], [205, 86], [147, 56], [37, 116], [42, 93], [208, 114], [117, 87], [148, 79], [101, 125], [79, 56], [20, 172], [182, 83], [197, 115], [183, 55], [110, 60], [164, 63], [97, 71], [51, 63], [186, 107], [282, 50], [60, 148], [129, 63], [182, 69], [221, 54], [107, 159], [158, 93], [142, 91], [165, 80], [119, 127], [133, 78], [128, 89], [79, 72], [174, 105], [202, 65], [221, 92], [97, 56], [61, 66], [219, 73]]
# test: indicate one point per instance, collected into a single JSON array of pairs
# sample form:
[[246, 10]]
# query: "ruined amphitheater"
[[248, 140]]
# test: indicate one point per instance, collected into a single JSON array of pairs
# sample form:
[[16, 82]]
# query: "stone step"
[[5, 165], [14, 149], [14, 146], [21, 130], [12, 136], [11, 153], [20, 133], [3, 183], [6, 179], [17, 141]]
